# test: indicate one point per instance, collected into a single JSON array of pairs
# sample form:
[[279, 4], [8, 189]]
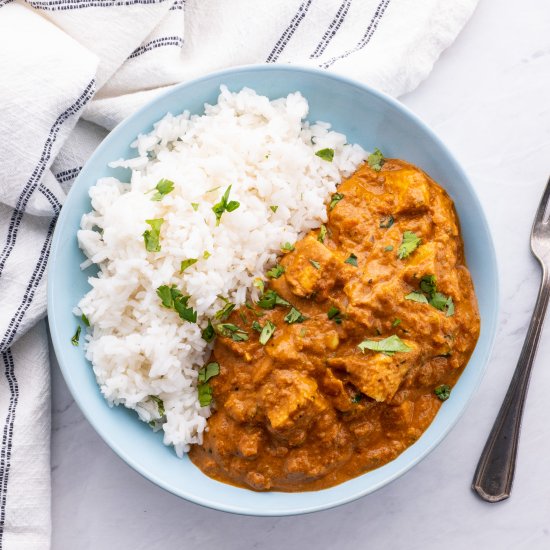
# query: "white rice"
[[266, 151]]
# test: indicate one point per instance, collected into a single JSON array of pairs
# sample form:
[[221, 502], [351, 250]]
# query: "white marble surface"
[[488, 98]]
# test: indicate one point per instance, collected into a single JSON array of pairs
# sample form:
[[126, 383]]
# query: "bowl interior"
[[366, 117]]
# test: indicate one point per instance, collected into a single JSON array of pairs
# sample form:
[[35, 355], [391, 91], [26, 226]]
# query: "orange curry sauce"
[[310, 409]]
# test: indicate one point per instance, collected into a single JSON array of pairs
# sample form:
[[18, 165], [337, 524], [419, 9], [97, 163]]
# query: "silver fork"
[[495, 470]]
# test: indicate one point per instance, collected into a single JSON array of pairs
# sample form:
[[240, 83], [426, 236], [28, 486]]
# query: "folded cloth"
[[72, 69]]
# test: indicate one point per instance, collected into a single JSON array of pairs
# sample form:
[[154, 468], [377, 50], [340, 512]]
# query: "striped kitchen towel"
[[70, 70]]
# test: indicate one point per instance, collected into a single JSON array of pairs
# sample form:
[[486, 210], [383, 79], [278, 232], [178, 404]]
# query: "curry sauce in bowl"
[[358, 337]]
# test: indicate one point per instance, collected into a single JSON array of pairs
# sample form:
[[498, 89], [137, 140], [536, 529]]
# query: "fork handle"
[[495, 470]]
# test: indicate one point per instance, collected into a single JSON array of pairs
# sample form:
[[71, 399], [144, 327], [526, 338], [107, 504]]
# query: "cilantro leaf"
[[356, 398], [274, 208], [334, 200], [322, 234], [287, 247], [85, 320], [270, 299], [389, 346], [208, 371], [387, 222], [417, 296], [408, 245], [396, 322], [294, 316], [225, 205], [163, 187], [187, 263], [315, 264], [152, 236], [443, 303], [352, 260], [267, 332], [186, 313], [334, 314], [206, 255], [208, 332], [443, 392], [388, 248], [256, 326], [231, 331], [172, 298], [428, 284], [205, 394], [376, 160], [276, 271], [160, 404], [225, 311], [76, 337], [326, 154], [165, 295], [195, 206]]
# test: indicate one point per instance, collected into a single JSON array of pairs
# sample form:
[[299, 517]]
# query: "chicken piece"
[[410, 188], [376, 374], [305, 277], [337, 394], [291, 402]]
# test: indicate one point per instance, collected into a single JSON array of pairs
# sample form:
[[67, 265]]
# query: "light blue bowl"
[[367, 117]]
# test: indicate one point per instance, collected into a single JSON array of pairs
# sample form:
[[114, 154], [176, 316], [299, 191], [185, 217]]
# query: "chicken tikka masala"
[[359, 334]]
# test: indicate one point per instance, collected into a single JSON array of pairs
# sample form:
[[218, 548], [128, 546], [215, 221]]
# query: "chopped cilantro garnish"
[[274, 208], [160, 404], [152, 236], [76, 336], [225, 311], [243, 317], [417, 296], [315, 264], [187, 263], [334, 314], [408, 245], [256, 326], [208, 371], [267, 332], [225, 205], [428, 284], [205, 394], [206, 255], [356, 398], [322, 234], [396, 322], [388, 248], [276, 271], [428, 294], [294, 316], [389, 346], [334, 200], [287, 247], [195, 206], [387, 222], [231, 331], [185, 313], [303, 332], [326, 154], [162, 188], [259, 284], [172, 298], [443, 392], [376, 160], [208, 332], [85, 320], [270, 299], [352, 260]]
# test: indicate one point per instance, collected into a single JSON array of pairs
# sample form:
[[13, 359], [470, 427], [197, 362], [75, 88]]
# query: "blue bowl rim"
[[490, 258]]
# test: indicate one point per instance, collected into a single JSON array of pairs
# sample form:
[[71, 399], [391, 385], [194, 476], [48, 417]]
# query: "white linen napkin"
[[72, 69]]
